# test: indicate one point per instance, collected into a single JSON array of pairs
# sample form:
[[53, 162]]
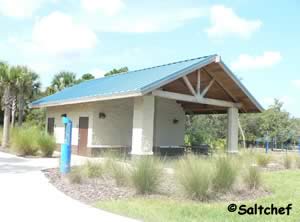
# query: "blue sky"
[[258, 40]]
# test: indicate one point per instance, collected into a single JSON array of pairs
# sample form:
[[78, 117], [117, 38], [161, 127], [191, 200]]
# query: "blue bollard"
[[65, 155]]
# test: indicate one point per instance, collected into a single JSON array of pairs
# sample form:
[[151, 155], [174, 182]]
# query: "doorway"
[[83, 135], [50, 126]]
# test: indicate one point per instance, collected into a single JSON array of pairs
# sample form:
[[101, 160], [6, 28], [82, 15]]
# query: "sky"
[[258, 40]]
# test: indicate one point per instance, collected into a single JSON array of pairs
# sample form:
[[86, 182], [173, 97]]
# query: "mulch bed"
[[89, 190]]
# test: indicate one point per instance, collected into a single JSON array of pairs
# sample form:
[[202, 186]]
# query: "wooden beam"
[[193, 99], [189, 85], [221, 85], [207, 87], [199, 82]]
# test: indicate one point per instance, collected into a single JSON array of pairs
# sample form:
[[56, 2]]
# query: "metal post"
[[267, 142], [65, 157], [267, 146]]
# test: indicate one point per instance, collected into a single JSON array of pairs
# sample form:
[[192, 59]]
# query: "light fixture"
[[102, 116]]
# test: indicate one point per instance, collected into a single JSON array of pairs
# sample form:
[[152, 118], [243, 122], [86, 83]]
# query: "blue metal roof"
[[130, 82]]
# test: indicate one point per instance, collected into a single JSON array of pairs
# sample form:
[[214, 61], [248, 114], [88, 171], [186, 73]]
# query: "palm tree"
[[18, 72], [28, 87], [62, 80], [8, 81]]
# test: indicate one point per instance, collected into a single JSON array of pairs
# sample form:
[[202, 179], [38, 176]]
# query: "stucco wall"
[[116, 128], [166, 132], [73, 112]]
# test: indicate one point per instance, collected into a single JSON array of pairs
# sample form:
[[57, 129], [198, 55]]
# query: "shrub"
[[252, 177], [298, 161], [92, 169], [75, 176], [193, 174], [24, 141], [225, 174], [118, 171], [46, 144], [287, 161], [263, 159], [145, 174]]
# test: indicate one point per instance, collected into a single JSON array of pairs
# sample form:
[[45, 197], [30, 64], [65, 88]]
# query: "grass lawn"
[[285, 187]]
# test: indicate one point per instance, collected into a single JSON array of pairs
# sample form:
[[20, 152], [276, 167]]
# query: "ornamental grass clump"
[[118, 171], [263, 159], [193, 174], [92, 169], [287, 161], [46, 144], [252, 177], [24, 141], [224, 175], [297, 161], [75, 176], [145, 174]]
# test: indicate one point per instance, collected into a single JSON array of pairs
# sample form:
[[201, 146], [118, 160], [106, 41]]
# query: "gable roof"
[[130, 84]]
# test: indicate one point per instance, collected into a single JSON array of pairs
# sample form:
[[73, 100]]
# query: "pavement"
[[26, 194]]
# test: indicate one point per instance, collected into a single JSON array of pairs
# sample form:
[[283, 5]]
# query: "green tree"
[[276, 123], [62, 80], [87, 76], [205, 128], [8, 82], [251, 123], [28, 86], [117, 71]]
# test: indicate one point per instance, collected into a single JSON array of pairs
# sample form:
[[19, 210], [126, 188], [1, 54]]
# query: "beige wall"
[[116, 128], [73, 112], [166, 132]]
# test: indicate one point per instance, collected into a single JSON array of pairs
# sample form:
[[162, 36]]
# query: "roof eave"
[[88, 99], [240, 84]]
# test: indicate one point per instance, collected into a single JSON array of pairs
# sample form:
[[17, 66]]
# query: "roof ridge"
[[152, 67]]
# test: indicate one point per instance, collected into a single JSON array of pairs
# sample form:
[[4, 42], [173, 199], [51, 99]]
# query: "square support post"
[[143, 125], [233, 130]]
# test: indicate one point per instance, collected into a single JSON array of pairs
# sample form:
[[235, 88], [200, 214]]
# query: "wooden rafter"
[[198, 82], [189, 85], [207, 87], [223, 87]]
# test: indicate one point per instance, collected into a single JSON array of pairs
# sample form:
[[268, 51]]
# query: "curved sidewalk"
[[26, 195]]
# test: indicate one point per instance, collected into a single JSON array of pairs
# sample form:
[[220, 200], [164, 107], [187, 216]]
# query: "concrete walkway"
[[26, 194]]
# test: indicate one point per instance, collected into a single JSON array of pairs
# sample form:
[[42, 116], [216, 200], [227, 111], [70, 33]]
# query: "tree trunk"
[[13, 111], [21, 110], [242, 132], [6, 128]]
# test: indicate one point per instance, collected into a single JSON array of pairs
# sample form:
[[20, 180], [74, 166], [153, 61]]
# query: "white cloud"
[[226, 22], [19, 8], [296, 83], [97, 72], [107, 7], [245, 61], [57, 33], [159, 21]]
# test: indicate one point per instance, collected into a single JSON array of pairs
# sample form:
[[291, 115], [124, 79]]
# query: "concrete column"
[[143, 125], [233, 129]]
